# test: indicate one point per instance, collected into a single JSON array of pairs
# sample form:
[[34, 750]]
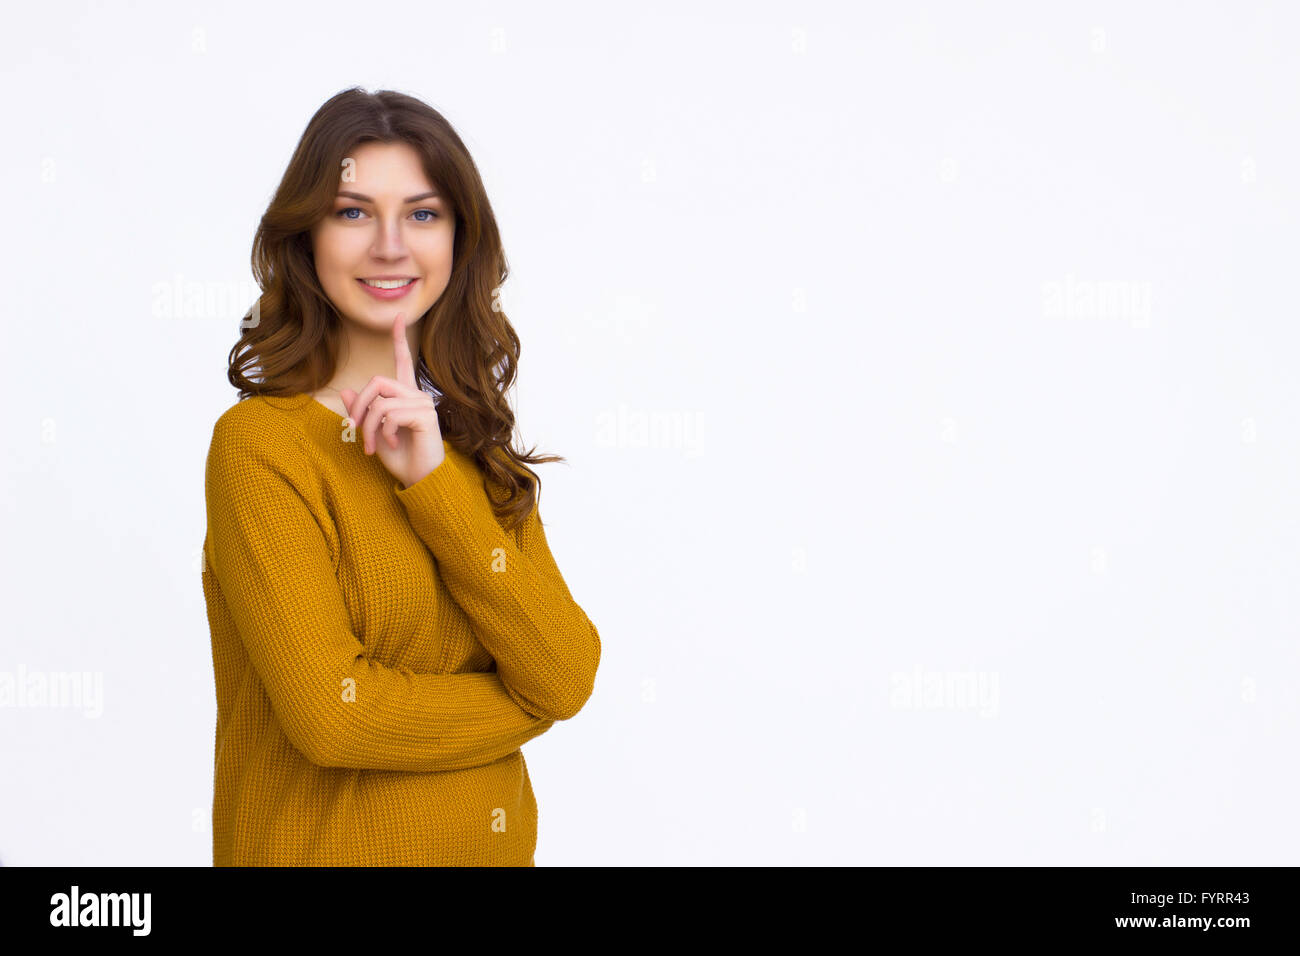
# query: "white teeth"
[[387, 283]]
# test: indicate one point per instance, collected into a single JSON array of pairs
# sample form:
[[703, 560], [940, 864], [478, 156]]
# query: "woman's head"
[[389, 223], [341, 214]]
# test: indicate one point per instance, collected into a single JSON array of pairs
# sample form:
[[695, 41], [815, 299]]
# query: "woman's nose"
[[388, 244]]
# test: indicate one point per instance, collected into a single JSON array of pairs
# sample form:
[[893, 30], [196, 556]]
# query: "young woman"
[[388, 624]]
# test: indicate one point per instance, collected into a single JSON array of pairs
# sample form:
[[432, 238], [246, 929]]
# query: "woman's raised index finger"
[[405, 372]]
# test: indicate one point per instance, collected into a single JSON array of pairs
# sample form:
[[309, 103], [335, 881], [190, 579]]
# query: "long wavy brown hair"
[[469, 352]]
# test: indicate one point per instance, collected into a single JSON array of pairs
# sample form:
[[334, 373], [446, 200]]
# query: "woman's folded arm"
[[546, 648]]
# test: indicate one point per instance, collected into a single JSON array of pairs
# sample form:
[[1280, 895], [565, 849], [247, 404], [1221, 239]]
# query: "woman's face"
[[384, 224]]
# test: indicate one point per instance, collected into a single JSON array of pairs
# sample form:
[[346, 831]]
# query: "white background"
[[803, 291]]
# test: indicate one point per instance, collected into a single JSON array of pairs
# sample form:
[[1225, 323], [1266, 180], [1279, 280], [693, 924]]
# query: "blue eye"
[[342, 214]]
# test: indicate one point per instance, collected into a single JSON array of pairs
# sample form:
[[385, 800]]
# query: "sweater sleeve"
[[272, 562], [547, 650]]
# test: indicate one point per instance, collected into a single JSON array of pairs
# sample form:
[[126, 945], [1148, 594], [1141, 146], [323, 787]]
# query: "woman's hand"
[[412, 445]]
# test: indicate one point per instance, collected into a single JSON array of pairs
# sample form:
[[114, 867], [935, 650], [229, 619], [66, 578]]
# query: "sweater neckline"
[[327, 414], [304, 400], [325, 408]]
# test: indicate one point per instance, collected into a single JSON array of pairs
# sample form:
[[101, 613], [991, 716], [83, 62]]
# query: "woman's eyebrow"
[[431, 194]]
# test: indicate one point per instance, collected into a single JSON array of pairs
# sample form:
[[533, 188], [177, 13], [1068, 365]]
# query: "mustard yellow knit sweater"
[[380, 653]]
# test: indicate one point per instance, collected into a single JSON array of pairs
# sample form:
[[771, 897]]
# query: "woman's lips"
[[388, 293]]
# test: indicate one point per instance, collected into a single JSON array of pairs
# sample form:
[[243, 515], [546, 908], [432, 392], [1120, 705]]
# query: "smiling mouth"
[[386, 283]]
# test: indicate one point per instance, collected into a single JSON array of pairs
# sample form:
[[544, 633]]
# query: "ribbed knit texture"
[[380, 653]]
